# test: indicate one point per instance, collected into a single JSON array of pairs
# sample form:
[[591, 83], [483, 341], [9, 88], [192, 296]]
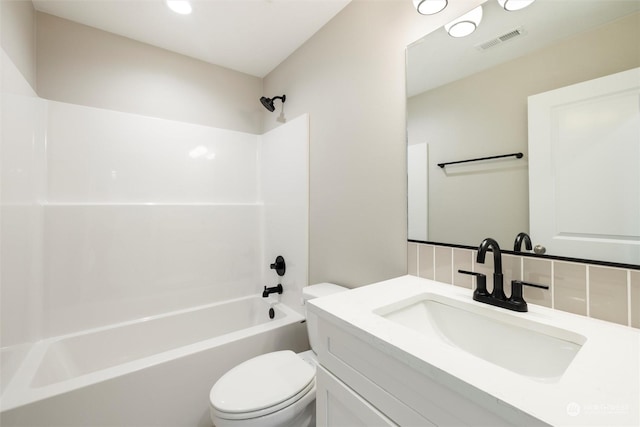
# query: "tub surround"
[[586, 393], [109, 216], [610, 293], [142, 216]]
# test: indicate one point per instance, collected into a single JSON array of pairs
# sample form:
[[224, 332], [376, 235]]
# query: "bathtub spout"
[[273, 290]]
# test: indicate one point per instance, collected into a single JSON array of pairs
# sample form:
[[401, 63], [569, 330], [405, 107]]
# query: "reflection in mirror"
[[467, 98]]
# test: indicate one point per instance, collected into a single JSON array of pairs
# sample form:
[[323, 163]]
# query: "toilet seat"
[[310, 388], [262, 385]]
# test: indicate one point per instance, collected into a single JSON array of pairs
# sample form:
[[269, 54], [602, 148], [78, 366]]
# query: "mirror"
[[467, 98]]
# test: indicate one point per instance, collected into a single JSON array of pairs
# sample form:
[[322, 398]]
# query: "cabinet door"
[[339, 406], [584, 169]]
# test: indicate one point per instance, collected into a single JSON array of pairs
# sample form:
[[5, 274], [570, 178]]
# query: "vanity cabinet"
[[359, 383], [342, 406], [414, 352]]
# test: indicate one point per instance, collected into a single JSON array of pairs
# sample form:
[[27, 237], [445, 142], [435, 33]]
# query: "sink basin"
[[523, 346]]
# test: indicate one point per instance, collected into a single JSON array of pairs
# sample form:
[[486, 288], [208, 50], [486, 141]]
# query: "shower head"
[[268, 102]]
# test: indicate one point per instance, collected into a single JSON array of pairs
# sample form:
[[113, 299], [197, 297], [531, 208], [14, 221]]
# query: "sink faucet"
[[497, 296], [489, 243], [522, 237]]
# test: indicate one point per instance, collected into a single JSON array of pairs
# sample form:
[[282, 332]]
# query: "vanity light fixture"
[[430, 7], [466, 24], [511, 5], [183, 7]]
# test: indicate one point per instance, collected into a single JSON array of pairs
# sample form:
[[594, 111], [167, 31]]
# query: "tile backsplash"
[[606, 293]]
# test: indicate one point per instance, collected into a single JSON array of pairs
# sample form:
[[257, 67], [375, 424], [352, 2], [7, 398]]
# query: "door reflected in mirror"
[[467, 98]]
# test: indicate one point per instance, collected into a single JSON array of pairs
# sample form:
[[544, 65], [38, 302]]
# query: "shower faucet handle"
[[279, 266]]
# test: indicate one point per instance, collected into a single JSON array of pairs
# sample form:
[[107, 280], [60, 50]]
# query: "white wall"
[[18, 37], [86, 66], [350, 77]]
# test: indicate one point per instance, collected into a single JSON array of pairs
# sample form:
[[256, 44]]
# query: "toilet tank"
[[317, 291]]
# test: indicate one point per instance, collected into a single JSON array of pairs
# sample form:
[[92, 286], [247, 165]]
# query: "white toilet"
[[276, 389]]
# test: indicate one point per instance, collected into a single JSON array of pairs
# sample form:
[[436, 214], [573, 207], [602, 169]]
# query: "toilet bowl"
[[276, 389]]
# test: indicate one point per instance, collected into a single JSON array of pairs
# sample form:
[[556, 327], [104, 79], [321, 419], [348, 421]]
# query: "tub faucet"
[[522, 237], [273, 290]]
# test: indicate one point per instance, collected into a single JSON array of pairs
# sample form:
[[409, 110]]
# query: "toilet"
[[276, 389]]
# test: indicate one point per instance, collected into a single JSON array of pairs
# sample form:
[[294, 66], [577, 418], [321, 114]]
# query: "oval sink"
[[523, 346]]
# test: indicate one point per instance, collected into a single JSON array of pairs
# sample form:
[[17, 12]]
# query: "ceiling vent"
[[510, 35]]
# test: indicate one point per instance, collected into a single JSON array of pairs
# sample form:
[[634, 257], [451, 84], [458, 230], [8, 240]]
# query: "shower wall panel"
[[284, 190], [21, 177], [103, 156], [144, 216]]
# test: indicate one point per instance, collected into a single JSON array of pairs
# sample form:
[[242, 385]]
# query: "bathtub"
[[155, 371]]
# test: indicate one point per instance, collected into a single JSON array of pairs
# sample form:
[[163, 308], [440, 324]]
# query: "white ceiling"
[[250, 36], [438, 58]]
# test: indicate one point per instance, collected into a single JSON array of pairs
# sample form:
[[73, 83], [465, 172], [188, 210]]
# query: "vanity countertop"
[[601, 386]]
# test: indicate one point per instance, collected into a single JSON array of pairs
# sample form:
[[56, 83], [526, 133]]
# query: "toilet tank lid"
[[320, 290]]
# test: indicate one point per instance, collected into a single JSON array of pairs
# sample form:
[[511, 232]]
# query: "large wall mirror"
[[468, 99]]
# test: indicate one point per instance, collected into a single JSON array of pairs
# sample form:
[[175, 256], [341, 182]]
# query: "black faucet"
[[497, 296], [487, 244], [273, 290], [522, 237]]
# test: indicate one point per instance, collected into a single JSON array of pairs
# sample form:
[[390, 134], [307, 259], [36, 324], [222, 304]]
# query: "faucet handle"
[[516, 293], [481, 282], [519, 283], [279, 266], [472, 273]]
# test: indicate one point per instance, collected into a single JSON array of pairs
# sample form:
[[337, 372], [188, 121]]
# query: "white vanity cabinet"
[[342, 406], [414, 352], [359, 384]]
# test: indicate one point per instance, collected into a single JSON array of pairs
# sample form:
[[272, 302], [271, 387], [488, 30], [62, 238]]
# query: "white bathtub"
[[149, 372]]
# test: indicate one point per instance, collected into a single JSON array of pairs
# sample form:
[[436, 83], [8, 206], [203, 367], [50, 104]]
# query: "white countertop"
[[601, 386]]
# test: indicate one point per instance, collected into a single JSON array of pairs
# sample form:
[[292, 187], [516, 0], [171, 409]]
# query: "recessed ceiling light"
[[183, 7], [429, 7], [512, 5], [466, 24]]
